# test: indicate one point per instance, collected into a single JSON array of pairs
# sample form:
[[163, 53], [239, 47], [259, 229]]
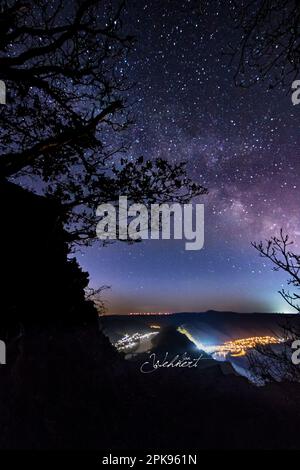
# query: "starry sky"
[[242, 144]]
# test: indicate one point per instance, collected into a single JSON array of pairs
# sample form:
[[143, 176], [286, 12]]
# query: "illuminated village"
[[129, 342], [239, 347], [234, 348]]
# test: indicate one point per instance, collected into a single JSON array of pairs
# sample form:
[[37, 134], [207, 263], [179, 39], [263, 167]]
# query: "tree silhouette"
[[278, 250], [273, 364], [68, 107], [268, 47]]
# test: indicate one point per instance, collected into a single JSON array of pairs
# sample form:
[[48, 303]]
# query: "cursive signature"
[[179, 361]]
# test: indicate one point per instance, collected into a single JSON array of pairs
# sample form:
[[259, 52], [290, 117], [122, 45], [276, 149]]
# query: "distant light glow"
[[149, 313]]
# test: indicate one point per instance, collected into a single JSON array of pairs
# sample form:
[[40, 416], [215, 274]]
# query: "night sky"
[[242, 144]]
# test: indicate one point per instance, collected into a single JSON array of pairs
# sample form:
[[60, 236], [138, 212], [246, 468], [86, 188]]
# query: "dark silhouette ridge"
[[58, 361], [40, 285], [169, 338]]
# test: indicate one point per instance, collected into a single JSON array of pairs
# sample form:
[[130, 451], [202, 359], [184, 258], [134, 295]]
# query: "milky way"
[[242, 144]]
